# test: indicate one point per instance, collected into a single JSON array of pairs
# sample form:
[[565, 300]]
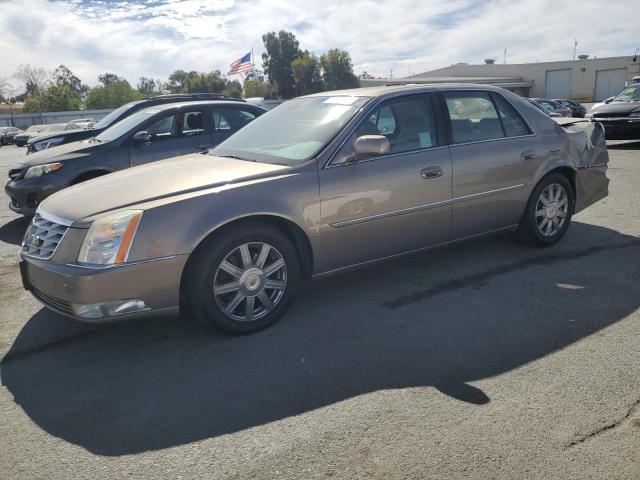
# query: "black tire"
[[198, 299], [529, 230]]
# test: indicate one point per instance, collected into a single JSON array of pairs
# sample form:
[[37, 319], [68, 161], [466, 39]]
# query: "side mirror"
[[140, 138], [371, 146], [608, 100]]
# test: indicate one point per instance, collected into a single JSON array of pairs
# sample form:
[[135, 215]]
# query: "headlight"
[[588, 115], [109, 238], [52, 142], [40, 170]]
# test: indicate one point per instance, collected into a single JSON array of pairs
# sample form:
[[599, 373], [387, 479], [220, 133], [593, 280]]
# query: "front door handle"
[[431, 172], [528, 155], [203, 146]]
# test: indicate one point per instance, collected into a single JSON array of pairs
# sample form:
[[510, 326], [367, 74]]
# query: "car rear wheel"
[[549, 211], [242, 280]]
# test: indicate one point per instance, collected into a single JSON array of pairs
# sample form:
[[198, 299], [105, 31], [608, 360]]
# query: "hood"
[[69, 135], [616, 107], [60, 153], [154, 181]]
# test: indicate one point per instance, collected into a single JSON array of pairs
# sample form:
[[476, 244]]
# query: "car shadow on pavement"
[[440, 319], [13, 231]]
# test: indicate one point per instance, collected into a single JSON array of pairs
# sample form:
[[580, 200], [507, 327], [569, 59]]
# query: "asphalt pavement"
[[487, 359]]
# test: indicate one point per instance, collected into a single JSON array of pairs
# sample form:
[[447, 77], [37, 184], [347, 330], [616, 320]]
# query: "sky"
[[155, 37]]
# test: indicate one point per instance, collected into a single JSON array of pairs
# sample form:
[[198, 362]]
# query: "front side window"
[[162, 129], [473, 117], [407, 122]]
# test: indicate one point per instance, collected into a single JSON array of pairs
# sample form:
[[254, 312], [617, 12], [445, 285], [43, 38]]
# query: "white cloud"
[[155, 37]]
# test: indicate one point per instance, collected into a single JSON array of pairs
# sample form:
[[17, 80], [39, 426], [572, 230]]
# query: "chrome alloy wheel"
[[552, 209], [250, 281]]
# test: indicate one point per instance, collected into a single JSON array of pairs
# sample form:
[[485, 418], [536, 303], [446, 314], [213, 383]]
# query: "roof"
[[380, 90], [191, 103]]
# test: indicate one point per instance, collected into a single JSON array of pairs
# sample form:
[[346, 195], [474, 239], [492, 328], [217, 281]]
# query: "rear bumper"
[[62, 287]]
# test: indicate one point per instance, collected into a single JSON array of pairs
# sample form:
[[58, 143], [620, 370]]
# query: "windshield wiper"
[[235, 157]]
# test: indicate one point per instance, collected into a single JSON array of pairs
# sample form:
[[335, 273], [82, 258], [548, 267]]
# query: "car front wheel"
[[243, 280], [549, 210]]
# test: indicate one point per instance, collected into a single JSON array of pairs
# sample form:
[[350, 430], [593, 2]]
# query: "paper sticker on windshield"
[[341, 100]]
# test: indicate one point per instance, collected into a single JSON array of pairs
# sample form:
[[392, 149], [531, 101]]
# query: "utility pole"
[[504, 61], [391, 73], [575, 47]]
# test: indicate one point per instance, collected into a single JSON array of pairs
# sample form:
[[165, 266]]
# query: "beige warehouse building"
[[585, 79]]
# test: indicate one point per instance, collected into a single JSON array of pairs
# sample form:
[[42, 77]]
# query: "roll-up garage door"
[[558, 84], [609, 83]]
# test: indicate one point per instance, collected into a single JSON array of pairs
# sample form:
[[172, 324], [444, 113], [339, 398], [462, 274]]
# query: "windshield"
[[34, 128], [126, 124], [108, 120], [629, 94], [292, 132]]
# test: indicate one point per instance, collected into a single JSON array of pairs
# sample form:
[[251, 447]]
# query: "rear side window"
[[227, 119], [191, 124], [514, 125], [473, 117]]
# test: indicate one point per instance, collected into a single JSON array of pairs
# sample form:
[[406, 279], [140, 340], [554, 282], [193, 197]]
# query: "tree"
[[181, 81], [281, 50], [114, 92], [306, 74], [59, 98], [337, 70], [109, 78], [62, 76], [233, 89], [256, 87], [149, 87], [35, 79]]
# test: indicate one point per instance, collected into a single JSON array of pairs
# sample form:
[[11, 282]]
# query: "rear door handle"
[[431, 172], [528, 155]]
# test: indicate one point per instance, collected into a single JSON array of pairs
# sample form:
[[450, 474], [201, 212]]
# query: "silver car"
[[320, 184]]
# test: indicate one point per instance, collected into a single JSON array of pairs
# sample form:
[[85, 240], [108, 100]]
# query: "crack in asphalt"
[[61, 342], [484, 276], [609, 426]]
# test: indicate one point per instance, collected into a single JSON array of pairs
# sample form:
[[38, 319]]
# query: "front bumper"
[[620, 128], [60, 286], [26, 195]]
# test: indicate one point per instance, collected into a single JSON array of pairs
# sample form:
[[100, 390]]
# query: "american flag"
[[242, 65]]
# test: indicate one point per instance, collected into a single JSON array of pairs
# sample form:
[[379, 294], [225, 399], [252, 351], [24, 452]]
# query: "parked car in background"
[[117, 115], [554, 106], [51, 133], [577, 109], [150, 134], [22, 138], [621, 115], [84, 122], [7, 134], [317, 185], [544, 110]]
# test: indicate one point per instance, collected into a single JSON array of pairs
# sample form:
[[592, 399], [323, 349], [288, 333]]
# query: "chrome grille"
[[42, 237]]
